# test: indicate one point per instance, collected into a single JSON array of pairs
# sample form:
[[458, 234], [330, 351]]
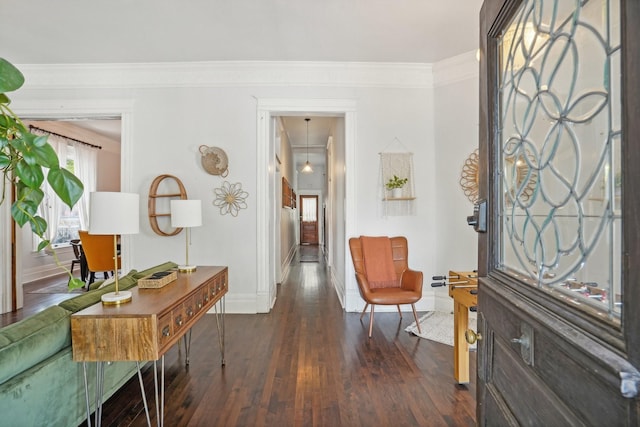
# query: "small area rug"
[[438, 326]]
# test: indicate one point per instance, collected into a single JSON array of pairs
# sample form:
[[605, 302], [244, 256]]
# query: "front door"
[[559, 258], [308, 220]]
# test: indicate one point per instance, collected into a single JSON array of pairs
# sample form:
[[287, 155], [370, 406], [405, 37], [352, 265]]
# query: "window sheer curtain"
[[52, 206], [85, 161]]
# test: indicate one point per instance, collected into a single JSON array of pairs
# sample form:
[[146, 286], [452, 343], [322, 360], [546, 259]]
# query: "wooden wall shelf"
[[154, 195]]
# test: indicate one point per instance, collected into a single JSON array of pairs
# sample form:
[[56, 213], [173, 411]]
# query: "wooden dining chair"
[[98, 251], [77, 247]]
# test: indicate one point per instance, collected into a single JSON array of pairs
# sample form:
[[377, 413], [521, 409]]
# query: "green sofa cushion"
[[85, 300], [51, 393], [162, 267], [29, 341]]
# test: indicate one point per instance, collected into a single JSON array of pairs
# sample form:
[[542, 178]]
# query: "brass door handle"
[[471, 336]]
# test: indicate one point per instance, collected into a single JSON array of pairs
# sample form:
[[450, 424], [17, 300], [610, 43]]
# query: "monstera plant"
[[25, 160]]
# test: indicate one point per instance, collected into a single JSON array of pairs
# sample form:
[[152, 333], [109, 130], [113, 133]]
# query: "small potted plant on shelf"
[[395, 185]]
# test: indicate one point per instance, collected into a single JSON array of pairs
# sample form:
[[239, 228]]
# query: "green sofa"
[[40, 384]]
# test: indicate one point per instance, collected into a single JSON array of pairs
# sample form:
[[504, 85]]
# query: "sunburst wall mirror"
[[469, 177], [520, 179]]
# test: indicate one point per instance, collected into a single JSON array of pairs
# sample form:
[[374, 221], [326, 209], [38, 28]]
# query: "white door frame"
[[64, 109], [266, 182]]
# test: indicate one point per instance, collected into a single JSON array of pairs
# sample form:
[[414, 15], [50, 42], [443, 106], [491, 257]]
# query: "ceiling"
[[110, 128], [319, 132], [153, 31], [143, 31]]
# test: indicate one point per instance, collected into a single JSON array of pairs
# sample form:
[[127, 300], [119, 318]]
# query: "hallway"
[[307, 363]]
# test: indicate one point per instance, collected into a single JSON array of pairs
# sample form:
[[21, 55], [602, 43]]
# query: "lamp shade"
[[114, 213], [186, 213]]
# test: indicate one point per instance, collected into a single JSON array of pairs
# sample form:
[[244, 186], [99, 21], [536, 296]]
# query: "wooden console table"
[[146, 328]]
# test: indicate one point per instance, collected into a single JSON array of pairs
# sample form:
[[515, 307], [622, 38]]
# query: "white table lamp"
[[114, 214], [186, 214]]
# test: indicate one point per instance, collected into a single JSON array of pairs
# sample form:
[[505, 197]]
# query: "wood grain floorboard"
[[307, 363]]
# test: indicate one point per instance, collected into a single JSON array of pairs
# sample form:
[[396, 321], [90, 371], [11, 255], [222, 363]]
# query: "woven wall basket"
[[214, 160]]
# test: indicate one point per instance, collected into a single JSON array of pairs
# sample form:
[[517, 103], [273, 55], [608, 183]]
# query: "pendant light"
[[307, 166]]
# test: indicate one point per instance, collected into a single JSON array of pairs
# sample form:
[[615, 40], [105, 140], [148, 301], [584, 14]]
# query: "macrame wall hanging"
[[397, 184]]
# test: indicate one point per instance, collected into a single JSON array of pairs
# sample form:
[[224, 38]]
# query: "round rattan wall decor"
[[214, 160]]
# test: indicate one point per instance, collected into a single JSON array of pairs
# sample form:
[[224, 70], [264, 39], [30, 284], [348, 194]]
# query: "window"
[[63, 223], [67, 220]]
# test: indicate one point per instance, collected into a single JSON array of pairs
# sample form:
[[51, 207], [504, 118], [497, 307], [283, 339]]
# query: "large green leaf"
[[31, 175], [28, 194], [66, 185], [75, 283], [38, 225], [10, 77], [43, 244], [39, 140], [19, 144], [4, 160], [46, 156], [19, 212]]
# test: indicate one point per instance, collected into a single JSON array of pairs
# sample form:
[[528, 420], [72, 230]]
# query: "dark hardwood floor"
[[39, 295], [307, 363]]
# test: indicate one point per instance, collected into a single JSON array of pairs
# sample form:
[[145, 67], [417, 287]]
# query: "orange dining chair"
[[98, 250], [383, 274]]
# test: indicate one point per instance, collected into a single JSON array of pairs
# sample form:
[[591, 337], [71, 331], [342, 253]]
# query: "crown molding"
[[227, 74], [456, 69]]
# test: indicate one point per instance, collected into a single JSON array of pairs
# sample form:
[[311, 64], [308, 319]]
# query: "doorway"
[[309, 220], [92, 152], [11, 296], [341, 215]]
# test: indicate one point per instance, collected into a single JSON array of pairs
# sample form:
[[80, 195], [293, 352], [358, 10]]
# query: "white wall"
[[176, 108], [336, 259], [409, 117], [456, 134]]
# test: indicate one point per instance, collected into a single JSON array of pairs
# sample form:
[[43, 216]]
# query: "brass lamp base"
[[186, 268], [116, 298]]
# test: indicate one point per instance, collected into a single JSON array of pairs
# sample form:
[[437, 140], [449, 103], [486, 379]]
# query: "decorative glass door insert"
[[560, 135]]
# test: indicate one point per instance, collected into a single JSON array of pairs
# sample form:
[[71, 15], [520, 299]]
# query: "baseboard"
[[338, 285]]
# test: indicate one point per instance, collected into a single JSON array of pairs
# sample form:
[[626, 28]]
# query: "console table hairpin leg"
[[159, 394], [220, 326], [133, 335]]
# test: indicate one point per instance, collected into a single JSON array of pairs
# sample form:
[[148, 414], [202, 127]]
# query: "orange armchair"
[[389, 280], [98, 251]]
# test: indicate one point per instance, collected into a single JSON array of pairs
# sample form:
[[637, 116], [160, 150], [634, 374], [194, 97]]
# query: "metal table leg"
[[220, 325], [98, 393]]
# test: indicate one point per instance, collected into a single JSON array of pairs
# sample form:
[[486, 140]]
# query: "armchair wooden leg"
[[364, 311], [371, 320], [399, 312], [415, 315]]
